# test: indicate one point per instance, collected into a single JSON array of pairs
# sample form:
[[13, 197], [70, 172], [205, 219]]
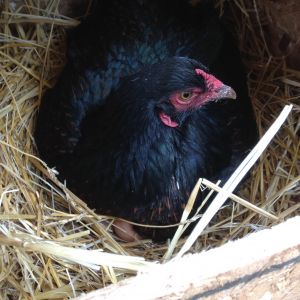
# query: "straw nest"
[[52, 245]]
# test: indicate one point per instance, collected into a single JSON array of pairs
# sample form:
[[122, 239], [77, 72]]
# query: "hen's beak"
[[224, 92]]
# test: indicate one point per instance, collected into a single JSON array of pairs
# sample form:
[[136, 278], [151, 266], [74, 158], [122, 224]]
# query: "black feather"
[[100, 127]]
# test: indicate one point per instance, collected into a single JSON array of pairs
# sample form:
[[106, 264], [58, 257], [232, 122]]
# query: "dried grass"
[[52, 245]]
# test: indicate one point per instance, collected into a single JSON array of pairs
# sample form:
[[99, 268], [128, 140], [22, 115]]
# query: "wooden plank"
[[264, 265]]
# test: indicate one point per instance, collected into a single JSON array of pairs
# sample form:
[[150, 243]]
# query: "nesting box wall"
[[283, 30]]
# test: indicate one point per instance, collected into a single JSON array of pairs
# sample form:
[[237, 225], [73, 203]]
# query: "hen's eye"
[[185, 95]]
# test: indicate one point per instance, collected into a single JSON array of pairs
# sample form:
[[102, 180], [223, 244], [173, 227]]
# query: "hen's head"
[[173, 89]]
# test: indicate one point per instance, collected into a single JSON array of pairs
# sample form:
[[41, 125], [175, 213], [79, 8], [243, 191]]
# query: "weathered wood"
[[263, 265]]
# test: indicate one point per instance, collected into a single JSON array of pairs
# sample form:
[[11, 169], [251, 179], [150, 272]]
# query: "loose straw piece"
[[93, 259], [184, 217], [239, 200], [235, 179]]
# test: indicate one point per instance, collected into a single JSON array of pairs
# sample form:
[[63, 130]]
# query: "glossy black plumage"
[[99, 125]]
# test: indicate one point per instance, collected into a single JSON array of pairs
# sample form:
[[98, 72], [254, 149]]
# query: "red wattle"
[[167, 120]]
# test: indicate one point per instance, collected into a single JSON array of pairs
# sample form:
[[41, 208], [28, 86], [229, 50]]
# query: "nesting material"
[[46, 231]]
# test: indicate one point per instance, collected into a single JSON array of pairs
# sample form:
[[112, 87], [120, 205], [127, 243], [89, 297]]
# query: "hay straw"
[[92, 259], [185, 214], [42, 222]]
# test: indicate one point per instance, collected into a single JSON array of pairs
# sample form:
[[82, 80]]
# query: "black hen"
[[134, 120]]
